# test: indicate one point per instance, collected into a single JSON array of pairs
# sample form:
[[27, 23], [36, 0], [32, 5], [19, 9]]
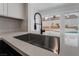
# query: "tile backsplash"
[[9, 25]]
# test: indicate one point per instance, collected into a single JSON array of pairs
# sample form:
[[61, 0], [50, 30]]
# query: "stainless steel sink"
[[51, 43]]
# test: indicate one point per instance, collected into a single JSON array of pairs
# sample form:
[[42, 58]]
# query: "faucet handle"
[[43, 30]]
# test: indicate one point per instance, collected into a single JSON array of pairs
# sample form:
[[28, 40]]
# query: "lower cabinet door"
[[6, 50]]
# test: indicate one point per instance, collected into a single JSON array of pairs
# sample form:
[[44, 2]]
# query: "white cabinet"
[[1, 9], [5, 9], [16, 10]]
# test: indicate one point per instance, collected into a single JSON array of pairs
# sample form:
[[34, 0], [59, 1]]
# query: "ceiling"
[[43, 6]]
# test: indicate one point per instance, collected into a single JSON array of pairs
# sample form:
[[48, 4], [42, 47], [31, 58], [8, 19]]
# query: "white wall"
[[29, 18], [31, 11], [61, 10]]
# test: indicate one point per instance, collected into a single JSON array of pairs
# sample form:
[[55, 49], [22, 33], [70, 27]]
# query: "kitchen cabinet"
[[5, 9], [6, 50], [1, 9], [16, 10]]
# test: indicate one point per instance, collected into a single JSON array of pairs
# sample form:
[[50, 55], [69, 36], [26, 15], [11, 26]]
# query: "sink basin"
[[51, 43]]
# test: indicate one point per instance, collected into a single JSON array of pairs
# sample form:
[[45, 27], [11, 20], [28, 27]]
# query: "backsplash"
[[9, 25]]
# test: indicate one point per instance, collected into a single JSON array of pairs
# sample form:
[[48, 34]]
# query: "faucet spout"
[[35, 27]]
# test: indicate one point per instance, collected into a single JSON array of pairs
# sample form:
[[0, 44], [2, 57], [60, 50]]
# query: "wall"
[[61, 10], [9, 25], [24, 23], [31, 11], [29, 18]]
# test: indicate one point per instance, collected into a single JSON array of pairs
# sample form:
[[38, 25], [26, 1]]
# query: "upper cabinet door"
[[1, 8], [5, 9], [16, 10]]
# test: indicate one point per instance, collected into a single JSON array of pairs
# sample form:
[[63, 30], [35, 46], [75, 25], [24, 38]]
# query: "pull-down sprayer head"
[[35, 27]]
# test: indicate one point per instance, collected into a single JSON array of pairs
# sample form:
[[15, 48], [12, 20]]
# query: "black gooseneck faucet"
[[35, 27]]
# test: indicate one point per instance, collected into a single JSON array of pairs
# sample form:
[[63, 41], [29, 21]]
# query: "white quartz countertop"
[[23, 47]]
